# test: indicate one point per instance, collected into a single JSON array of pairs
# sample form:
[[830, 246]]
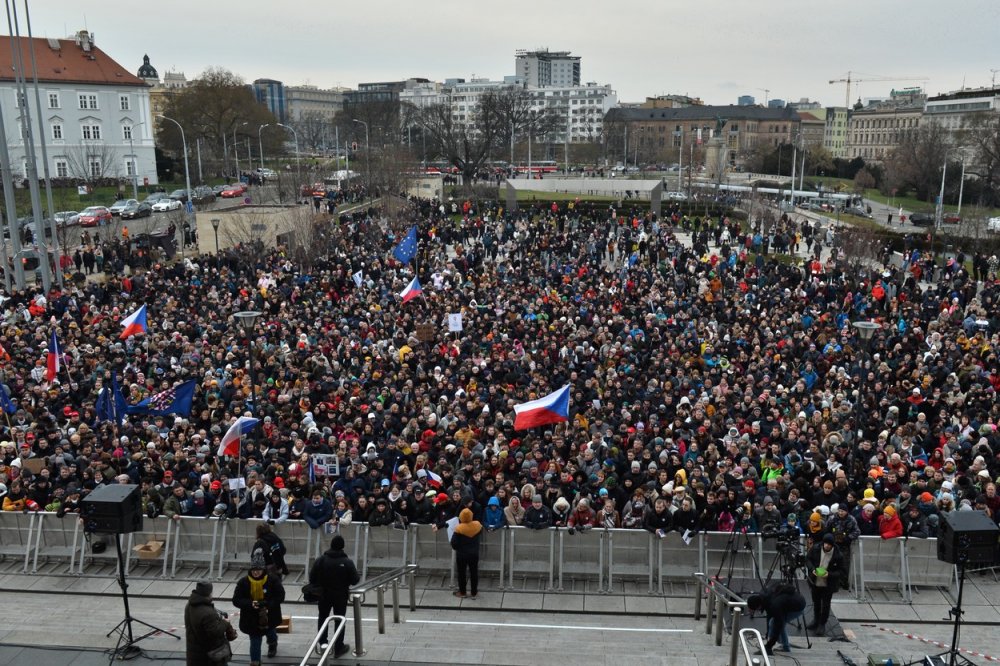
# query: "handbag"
[[221, 654], [311, 593]]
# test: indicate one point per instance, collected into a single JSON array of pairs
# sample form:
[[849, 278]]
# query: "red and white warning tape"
[[943, 646]]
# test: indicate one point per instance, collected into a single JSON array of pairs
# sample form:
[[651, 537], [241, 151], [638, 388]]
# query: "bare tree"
[[313, 128], [982, 135], [916, 162], [93, 162]]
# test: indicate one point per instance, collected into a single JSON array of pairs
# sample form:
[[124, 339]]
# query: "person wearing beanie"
[[258, 596], [826, 573], [465, 543], [207, 633], [889, 525], [538, 516], [332, 575]]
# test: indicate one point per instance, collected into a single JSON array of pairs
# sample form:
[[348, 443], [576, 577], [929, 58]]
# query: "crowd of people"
[[712, 385]]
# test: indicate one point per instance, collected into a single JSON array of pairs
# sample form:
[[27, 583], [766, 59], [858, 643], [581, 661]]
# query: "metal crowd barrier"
[[379, 583], [720, 599], [597, 556]]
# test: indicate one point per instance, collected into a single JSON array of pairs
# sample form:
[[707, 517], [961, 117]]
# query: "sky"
[[713, 49]]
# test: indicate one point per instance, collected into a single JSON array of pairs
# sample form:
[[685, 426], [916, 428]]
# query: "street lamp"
[[236, 154], [135, 171], [189, 206], [260, 145], [247, 319], [215, 227], [368, 157], [296, 134], [866, 331]]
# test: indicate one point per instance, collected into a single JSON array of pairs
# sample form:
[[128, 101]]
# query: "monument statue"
[[720, 122]]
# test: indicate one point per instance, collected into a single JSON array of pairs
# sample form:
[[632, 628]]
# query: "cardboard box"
[[286, 625], [150, 550]]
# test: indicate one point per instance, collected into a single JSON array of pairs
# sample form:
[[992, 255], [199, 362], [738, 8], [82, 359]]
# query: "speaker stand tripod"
[[126, 647], [952, 656]]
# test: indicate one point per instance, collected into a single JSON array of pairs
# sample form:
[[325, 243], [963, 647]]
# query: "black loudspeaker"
[[968, 537], [114, 509]]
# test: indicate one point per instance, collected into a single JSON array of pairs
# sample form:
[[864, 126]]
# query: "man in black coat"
[[204, 628], [781, 605], [334, 573], [825, 555]]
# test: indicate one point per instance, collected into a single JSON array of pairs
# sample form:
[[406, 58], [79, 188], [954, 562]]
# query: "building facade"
[[583, 107], [160, 92], [543, 68], [310, 100], [96, 115], [380, 92], [835, 131], [746, 100], [812, 127], [957, 111], [670, 102], [271, 94], [874, 131]]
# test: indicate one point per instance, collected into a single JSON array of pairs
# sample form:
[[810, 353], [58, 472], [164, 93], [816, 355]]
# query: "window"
[[129, 166], [90, 132], [123, 102], [95, 168], [62, 169], [127, 132], [57, 132], [53, 100], [88, 101]]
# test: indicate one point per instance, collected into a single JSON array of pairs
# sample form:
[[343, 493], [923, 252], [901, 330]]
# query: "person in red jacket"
[[889, 525], [583, 516]]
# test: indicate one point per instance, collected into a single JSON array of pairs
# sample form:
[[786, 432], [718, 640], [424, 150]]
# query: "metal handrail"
[[748, 635], [379, 583], [331, 640], [723, 598]]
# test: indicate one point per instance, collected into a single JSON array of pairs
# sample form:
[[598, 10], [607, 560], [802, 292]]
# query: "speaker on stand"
[[117, 509]]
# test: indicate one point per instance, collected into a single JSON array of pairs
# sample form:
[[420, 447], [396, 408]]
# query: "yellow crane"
[[868, 78]]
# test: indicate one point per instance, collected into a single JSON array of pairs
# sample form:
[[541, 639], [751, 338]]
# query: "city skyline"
[[734, 50]]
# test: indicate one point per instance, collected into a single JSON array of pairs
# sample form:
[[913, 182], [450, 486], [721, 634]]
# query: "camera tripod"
[[739, 542], [951, 656], [789, 560], [126, 648]]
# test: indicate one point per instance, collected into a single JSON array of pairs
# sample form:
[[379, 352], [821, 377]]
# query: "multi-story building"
[[956, 111], [874, 131], [311, 100], [95, 113], [543, 68], [422, 95], [583, 107], [835, 131], [776, 104], [670, 102], [744, 127], [271, 94], [812, 125], [382, 91], [746, 100], [805, 105], [160, 92]]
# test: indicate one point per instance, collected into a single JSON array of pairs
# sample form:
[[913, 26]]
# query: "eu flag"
[[5, 402], [407, 248], [176, 400]]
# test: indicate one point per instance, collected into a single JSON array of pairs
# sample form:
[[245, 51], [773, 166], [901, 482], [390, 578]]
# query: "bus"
[[541, 166]]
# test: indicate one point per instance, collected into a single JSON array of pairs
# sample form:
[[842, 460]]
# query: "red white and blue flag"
[[432, 479], [553, 408], [54, 359], [412, 290], [230, 444], [134, 324]]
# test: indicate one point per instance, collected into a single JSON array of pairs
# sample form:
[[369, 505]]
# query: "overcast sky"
[[713, 49]]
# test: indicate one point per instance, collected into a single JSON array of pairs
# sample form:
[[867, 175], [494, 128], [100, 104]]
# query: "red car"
[[233, 191], [95, 216]]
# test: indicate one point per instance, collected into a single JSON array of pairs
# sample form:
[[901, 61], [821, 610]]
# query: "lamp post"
[[866, 331], [368, 157], [260, 145], [131, 149], [215, 228], [296, 134], [236, 154], [247, 319], [189, 206]]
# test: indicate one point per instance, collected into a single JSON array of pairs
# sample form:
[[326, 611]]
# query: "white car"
[[166, 204], [677, 196], [265, 173], [993, 224]]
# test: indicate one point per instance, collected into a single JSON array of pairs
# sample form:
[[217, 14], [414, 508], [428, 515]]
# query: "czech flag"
[[230, 445], [553, 408], [53, 360], [412, 290], [134, 324], [432, 479]]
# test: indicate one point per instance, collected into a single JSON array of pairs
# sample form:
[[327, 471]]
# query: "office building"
[[271, 94], [544, 68], [746, 100]]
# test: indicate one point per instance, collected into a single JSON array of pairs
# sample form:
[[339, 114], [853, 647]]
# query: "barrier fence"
[[192, 547]]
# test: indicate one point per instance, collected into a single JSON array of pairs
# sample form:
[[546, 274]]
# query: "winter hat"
[[257, 560], [828, 538], [494, 501], [203, 588], [562, 504], [869, 495], [337, 542], [869, 509], [815, 517], [926, 497], [889, 510]]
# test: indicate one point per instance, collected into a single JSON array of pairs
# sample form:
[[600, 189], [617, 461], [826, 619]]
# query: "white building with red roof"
[[96, 116]]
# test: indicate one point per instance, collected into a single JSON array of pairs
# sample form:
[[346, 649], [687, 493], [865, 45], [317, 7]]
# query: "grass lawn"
[[533, 195]]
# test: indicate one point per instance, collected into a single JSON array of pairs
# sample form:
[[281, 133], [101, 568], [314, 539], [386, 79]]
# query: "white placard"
[[455, 322], [325, 464]]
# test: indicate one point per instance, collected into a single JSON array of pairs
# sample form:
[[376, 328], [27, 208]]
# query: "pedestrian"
[[333, 573], [465, 543], [273, 548], [207, 631], [259, 597], [826, 569], [781, 605]]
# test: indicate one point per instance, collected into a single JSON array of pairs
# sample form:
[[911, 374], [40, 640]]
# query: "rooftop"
[[66, 61], [730, 112]]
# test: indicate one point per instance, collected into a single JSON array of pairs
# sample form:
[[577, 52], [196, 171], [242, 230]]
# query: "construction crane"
[[848, 80], [766, 92], [993, 81]]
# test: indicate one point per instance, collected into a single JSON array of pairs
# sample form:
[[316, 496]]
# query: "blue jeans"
[[783, 637], [255, 641]]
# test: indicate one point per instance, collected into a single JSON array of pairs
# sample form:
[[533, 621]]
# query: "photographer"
[[208, 631], [845, 530], [826, 573], [781, 605]]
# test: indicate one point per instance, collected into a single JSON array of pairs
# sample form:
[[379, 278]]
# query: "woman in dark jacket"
[[383, 515], [259, 597], [465, 543], [206, 630]]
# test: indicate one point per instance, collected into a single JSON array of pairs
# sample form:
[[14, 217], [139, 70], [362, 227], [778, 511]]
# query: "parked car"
[[677, 196], [922, 219], [859, 212], [179, 195], [94, 216], [117, 207], [993, 224], [203, 195], [265, 173], [218, 189], [137, 209], [166, 204], [951, 218], [154, 197], [233, 191], [67, 218]]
